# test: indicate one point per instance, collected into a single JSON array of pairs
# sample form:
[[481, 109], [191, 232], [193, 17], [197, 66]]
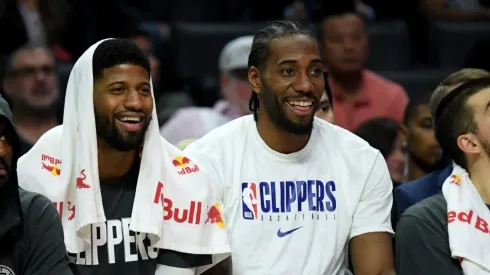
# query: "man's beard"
[[278, 116], [123, 141]]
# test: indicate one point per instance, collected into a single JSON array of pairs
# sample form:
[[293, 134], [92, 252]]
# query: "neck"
[[278, 139], [113, 164], [415, 171], [348, 82], [32, 125], [480, 178]]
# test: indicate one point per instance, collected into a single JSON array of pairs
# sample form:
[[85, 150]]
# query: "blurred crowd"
[[383, 60]]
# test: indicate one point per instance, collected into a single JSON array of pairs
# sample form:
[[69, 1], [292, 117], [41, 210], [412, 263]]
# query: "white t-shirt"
[[294, 213]]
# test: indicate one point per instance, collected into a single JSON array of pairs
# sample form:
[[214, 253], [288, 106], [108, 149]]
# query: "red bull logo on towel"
[[192, 213], [215, 216], [184, 165], [456, 180], [51, 165]]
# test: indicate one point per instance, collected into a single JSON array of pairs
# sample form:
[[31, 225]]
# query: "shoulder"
[[36, 208], [345, 142], [432, 212], [224, 135]]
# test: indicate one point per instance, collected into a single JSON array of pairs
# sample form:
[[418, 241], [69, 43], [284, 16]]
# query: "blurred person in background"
[[325, 111], [422, 147], [389, 138], [34, 22], [31, 86], [454, 10], [413, 192], [358, 94], [194, 122]]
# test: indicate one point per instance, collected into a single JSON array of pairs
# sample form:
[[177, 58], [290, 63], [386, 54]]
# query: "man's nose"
[[133, 100], [303, 83]]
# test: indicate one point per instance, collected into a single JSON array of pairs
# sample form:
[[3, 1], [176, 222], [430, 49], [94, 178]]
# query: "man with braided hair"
[[296, 190]]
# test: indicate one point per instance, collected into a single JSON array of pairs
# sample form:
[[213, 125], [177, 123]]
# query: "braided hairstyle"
[[260, 49]]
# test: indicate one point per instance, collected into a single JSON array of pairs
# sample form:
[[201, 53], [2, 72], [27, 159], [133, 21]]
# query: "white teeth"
[[300, 103], [130, 119]]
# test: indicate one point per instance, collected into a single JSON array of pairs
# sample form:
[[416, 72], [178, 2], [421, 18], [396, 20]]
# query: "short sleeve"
[[208, 164], [373, 212]]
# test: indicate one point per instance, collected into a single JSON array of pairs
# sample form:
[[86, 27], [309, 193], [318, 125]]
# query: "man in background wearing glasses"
[[30, 86]]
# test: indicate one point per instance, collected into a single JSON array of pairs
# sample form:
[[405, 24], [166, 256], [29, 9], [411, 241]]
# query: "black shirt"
[[33, 243], [422, 240], [115, 249]]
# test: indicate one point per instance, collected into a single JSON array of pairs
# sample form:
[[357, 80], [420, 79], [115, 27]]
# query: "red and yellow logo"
[[455, 179], [215, 216], [185, 165], [51, 165]]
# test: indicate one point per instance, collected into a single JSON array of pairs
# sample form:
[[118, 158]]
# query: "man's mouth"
[[131, 123], [301, 107]]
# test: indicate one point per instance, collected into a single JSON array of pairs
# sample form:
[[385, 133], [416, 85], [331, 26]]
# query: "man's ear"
[[254, 79], [469, 144]]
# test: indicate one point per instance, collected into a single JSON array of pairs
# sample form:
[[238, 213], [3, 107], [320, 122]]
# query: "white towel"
[[468, 223], [72, 150]]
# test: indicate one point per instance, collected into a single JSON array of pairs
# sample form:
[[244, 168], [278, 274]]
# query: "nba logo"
[[249, 200]]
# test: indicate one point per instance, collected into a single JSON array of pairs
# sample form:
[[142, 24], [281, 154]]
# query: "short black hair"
[[413, 104], [115, 52], [454, 118], [380, 133], [332, 8], [260, 48]]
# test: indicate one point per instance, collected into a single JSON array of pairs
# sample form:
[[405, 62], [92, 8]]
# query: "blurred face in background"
[[325, 112], [145, 44], [235, 89], [345, 43], [397, 159], [422, 144], [32, 83]]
